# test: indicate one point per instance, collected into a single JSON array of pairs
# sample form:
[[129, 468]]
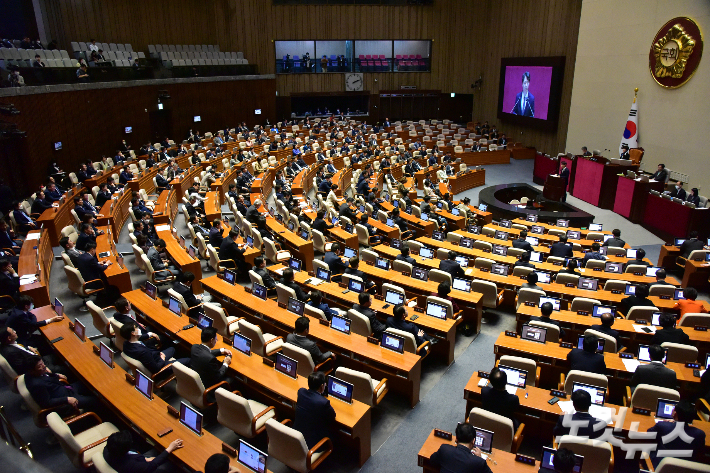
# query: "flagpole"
[[636, 91]]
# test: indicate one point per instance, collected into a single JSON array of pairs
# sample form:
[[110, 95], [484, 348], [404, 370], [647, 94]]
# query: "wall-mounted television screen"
[[530, 91]]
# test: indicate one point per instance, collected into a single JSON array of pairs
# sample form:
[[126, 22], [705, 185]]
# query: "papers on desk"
[[482, 383], [280, 272], [601, 413], [55, 204], [28, 279], [33, 236], [630, 364], [162, 228], [316, 282], [511, 389], [644, 328]]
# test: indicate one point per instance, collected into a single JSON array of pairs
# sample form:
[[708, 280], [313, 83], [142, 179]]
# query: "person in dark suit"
[[531, 282], [661, 175], [184, 288], [9, 283], [624, 154], [587, 359], [203, 358], [451, 266], [640, 255], [353, 269], [678, 191], [346, 211], [660, 279], [363, 306], [571, 268], [51, 390], [616, 240], [545, 313], [86, 236], [561, 249], [404, 255], [522, 243], [607, 321], [16, 353], [684, 413], [496, 399], [524, 101], [669, 332], [399, 322], [23, 220], [693, 197], [320, 224], [564, 174], [230, 250], [121, 456], [524, 261], [691, 244], [103, 195], [25, 323], [88, 265], [253, 211], [124, 315], [260, 269], [594, 254], [640, 298], [40, 204], [287, 280], [463, 457], [654, 373], [334, 261], [300, 339], [314, 414], [7, 238], [215, 237], [581, 400], [401, 223], [153, 359]]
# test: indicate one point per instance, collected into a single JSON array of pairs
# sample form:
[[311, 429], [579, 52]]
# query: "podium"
[[554, 188]]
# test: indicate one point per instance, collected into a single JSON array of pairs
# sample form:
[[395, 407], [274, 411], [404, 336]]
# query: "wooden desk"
[[598, 175], [54, 219], [403, 371], [421, 227], [353, 420], [548, 227], [36, 257], [115, 212], [674, 220], [115, 274], [299, 248], [148, 417], [303, 182], [181, 259], [428, 172], [188, 177], [221, 185], [165, 207], [213, 208], [145, 179], [466, 181], [456, 222], [548, 238]]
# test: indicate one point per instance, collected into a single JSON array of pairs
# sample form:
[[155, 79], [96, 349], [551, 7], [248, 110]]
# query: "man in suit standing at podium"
[[524, 101], [564, 174]]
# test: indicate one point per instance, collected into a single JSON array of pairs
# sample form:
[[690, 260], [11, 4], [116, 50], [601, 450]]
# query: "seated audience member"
[[287, 280], [496, 399], [464, 457], [594, 254], [640, 255], [522, 243], [587, 359], [120, 455], [320, 224], [153, 359], [363, 306], [545, 313], [524, 261], [561, 249], [40, 204], [686, 437], [203, 359], [399, 322], [531, 283], [669, 332], [24, 221], [564, 461], [691, 244], [184, 288], [571, 268], [229, 249], [654, 373], [314, 414], [24, 322], [404, 255], [690, 305], [452, 266], [300, 339], [442, 292], [87, 235], [615, 240], [16, 354], [607, 320], [594, 428], [693, 197], [639, 298], [9, 284], [661, 278], [335, 262], [260, 269], [372, 231], [353, 270], [317, 302], [124, 315], [220, 463]]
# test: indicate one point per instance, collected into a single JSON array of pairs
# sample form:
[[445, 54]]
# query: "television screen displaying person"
[[524, 101]]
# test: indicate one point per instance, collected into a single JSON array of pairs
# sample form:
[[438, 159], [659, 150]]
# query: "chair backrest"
[[219, 317], [254, 333], [101, 464], [641, 312], [75, 281], [679, 353], [67, 260], [287, 445], [678, 465], [410, 343], [692, 319], [501, 426], [563, 278], [597, 455], [304, 359], [518, 362], [66, 439], [402, 266], [658, 290], [553, 331], [530, 295], [138, 257], [610, 342], [439, 276], [189, 384], [284, 292], [577, 376], [234, 412], [134, 364], [583, 303], [635, 268], [359, 323], [99, 319], [522, 270], [646, 396], [116, 327], [183, 305], [615, 285], [595, 263], [446, 303], [363, 387]]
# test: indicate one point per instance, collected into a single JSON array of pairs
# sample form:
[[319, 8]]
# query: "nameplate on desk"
[[510, 333], [615, 291], [524, 276], [379, 297], [700, 328], [642, 321], [97, 350], [173, 412], [419, 309], [442, 434], [282, 305], [370, 263], [268, 362], [665, 297], [71, 326], [486, 251], [486, 270], [231, 451], [406, 274], [570, 284], [524, 459], [638, 274], [597, 269], [373, 340], [566, 345], [247, 290], [641, 411], [484, 374], [695, 366], [165, 303], [628, 356], [455, 243], [130, 379], [556, 263], [531, 304], [343, 285], [311, 273], [558, 393], [582, 312], [323, 322]]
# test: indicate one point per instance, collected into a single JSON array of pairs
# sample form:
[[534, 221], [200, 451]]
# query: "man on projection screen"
[[524, 101]]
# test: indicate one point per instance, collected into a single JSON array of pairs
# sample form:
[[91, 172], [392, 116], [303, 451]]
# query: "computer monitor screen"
[[390, 222], [144, 384], [532, 240], [396, 243], [595, 227], [323, 274], [393, 342], [644, 355], [461, 284], [483, 439], [678, 295], [547, 463], [536, 256], [533, 333], [425, 252], [588, 283], [466, 242], [555, 302], [562, 223], [514, 376], [505, 224], [656, 318], [151, 289], [600, 343], [611, 267], [394, 298], [600, 310], [395, 203], [652, 270], [436, 310], [630, 290], [438, 236], [174, 306], [597, 393], [501, 235], [230, 276], [190, 418], [382, 263], [665, 408], [475, 229], [679, 241], [543, 277], [537, 229], [608, 237], [286, 365], [182, 241], [252, 458], [204, 321], [455, 212], [531, 218], [349, 252], [482, 207], [334, 221], [192, 251], [500, 250], [604, 250], [341, 324], [258, 290], [362, 209], [420, 274], [424, 217], [295, 306], [707, 361], [462, 261], [499, 269], [58, 307], [304, 235], [242, 343], [250, 242], [355, 285], [340, 389], [574, 235], [294, 264], [79, 330], [106, 354]]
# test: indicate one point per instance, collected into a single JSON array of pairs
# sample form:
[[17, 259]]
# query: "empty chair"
[[359, 324], [679, 353], [613, 285], [693, 319], [641, 312], [483, 263], [288, 446], [439, 276], [564, 278], [77, 285], [598, 456], [506, 438], [528, 295], [365, 389], [553, 331], [82, 446], [679, 465], [224, 323], [263, 344], [646, 396], [491, 297], [274, 255], [526, 364], [101, 322], [583, 303], [658, 290], [243, 416], [584, 377]]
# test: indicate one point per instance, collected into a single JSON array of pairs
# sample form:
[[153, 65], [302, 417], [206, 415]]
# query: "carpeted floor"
[[397, 431]]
